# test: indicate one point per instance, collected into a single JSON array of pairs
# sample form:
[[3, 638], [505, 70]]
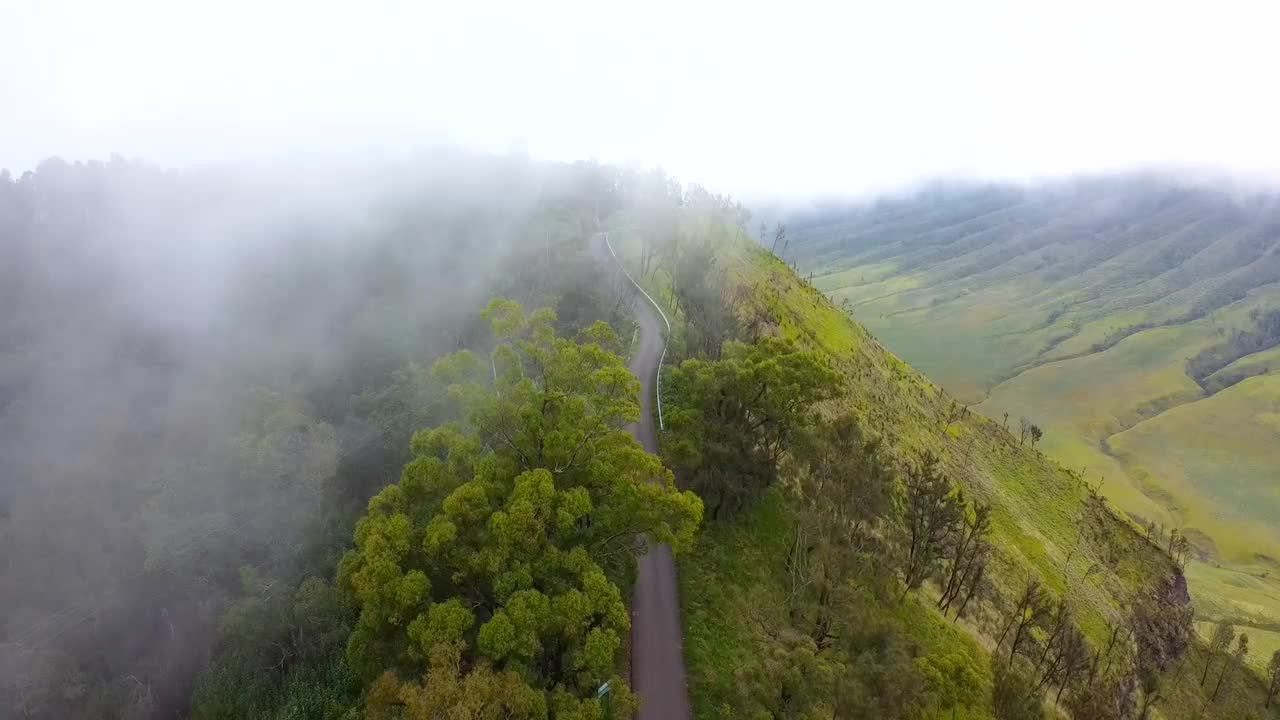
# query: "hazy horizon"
[[810, 102]]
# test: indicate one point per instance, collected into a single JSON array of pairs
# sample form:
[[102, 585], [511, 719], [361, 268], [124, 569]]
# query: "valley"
[[1129, 317]]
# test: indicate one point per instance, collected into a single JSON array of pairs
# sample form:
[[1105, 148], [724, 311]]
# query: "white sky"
[[753, 98]]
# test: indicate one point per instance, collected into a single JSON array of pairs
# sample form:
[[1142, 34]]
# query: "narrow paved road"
[[657, 647]]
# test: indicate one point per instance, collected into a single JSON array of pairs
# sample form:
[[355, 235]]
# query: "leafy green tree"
[[847, 494], [267, 483], [481, 693], [509, 533], [699, 288], [791, 678], [845, 476], [733, 418], [410, 402], [270, 638], [884, 680], [1014, 694]]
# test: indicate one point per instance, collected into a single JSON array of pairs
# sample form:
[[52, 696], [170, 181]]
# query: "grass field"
[[1078, 307]]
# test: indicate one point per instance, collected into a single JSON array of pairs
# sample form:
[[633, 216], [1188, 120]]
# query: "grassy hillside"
[[1048, 525], [1079, 306]]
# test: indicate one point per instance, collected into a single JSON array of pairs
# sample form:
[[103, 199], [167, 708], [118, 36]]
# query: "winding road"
[[657, 647]]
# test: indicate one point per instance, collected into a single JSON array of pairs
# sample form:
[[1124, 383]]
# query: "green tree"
[[482, 693], [791, 678], [446, 691], [509, 533], [272, 638], [733, 418], [885, 679], [698, 288], [267, 482], [1014, 695], [845, 476], [847, 494]]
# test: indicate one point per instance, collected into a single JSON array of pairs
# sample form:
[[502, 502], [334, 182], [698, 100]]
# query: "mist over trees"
[[203, 377], [274, 451]]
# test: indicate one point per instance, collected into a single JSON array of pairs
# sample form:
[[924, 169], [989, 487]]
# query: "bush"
[[1014, 695]]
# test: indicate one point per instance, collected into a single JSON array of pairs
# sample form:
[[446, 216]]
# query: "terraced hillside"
[[1134, 319]]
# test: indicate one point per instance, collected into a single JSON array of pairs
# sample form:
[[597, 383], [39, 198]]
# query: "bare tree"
[[1065, 655], [1273, 677], [956, 411], [621, 292], [1056, 626], [1108, 698], [1179, 547], [932, 517], [967, 550], [779, 234], [1223, 633], [1031, 610], [1117, 639], [1241, 652], [976, 581], [1071, 661]]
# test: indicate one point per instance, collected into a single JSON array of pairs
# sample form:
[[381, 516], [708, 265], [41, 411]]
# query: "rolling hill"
[[1133, 318]]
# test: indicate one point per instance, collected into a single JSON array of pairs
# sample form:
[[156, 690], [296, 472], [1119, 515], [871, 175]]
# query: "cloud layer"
[[755, 99]]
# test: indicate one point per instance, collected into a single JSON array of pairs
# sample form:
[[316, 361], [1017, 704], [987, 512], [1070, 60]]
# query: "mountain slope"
[[1047, 523], [1081, 306]]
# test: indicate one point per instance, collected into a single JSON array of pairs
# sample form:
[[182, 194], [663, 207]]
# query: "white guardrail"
[[658, 380]]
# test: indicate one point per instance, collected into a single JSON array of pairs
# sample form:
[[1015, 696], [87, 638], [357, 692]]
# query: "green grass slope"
[[1078, 305], [1047, 523]]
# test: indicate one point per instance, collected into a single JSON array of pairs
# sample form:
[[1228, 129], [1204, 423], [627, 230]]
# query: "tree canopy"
[[497, 559], [737, 415]]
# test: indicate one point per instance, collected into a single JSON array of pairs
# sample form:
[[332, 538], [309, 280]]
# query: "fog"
[[207, 370], [266, 215], [754, 100]]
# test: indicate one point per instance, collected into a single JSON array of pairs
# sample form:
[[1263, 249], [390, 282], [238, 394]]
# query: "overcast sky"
[[757, 99]]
